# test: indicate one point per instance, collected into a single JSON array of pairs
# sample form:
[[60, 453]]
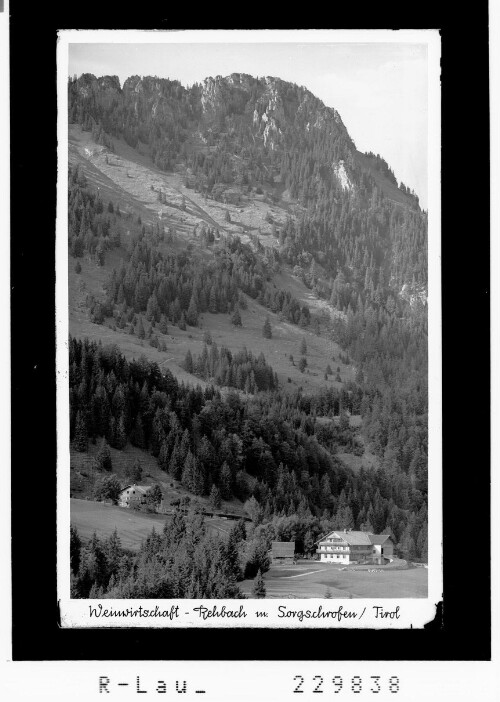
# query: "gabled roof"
[[354, 538], [142, 489], [283, 548]]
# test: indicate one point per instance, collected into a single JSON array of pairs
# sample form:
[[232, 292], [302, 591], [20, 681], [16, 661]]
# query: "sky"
[[379, 89]]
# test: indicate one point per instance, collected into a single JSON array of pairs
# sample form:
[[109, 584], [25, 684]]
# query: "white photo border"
[[414, 613]]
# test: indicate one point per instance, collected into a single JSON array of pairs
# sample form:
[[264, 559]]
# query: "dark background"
[[461, 630]]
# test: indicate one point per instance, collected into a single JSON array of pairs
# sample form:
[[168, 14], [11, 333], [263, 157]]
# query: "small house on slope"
[[282, 552], [132, 495], [346, 546]]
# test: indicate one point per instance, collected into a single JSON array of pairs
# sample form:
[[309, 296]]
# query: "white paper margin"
[[412, 612]]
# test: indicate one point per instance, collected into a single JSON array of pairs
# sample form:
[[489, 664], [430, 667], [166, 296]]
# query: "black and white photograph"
[[247, 354], [248, 317]]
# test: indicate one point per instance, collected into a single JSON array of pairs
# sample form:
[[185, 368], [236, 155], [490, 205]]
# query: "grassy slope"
[[134, 195], [285, 341], [132, 527]]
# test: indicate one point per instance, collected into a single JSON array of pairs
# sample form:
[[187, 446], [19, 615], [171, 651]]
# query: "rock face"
[[341, 174], [236, 114], [270, 106], [102, 90]]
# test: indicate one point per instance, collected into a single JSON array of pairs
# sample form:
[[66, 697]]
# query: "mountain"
[[248, 305], [235, 132]]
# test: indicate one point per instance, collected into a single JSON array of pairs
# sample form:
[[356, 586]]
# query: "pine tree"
[[192, 313], [107, 488], [259, 588], [134, 472], [236, 317], [232, 555], [163, 327], [163, 456], [120, 434], [81, 435], [215, 498], [303, 347], [226, 481], [176, 461], [212, 303], [154, 496], [141, 334], [103, 457], [207, 338], [266, 329], [137, 437], [302, 364], [188, 362]]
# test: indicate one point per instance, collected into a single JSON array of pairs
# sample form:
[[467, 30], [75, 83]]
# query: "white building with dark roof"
[[346, 546], [133, 495]]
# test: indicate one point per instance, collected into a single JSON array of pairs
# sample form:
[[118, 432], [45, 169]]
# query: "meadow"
[[132, 527], [310, 579]]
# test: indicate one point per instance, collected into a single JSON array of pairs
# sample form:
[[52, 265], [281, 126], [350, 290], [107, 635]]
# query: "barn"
[[282, 552]]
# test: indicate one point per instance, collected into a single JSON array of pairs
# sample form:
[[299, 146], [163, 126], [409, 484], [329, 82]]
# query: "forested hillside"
[[337, 222]]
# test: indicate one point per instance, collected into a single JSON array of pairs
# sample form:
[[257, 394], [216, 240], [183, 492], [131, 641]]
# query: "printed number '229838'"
[[374, 684]]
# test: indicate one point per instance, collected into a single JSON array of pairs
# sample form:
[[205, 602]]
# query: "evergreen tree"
[[266, 329], [236, 318], [163, 327], [215, 498], [107, 488], [141, 334], [188, 362], [134, 472], [81, 435], [154, 496], [207, 338], [259, 588], [163, 456], [226, 482], [192, 313], [232, 555], [120, 434], [303, 347], [103, 457]]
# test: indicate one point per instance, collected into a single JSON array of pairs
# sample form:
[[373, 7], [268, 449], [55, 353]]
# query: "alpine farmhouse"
[[346, 546], [133, 495]]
